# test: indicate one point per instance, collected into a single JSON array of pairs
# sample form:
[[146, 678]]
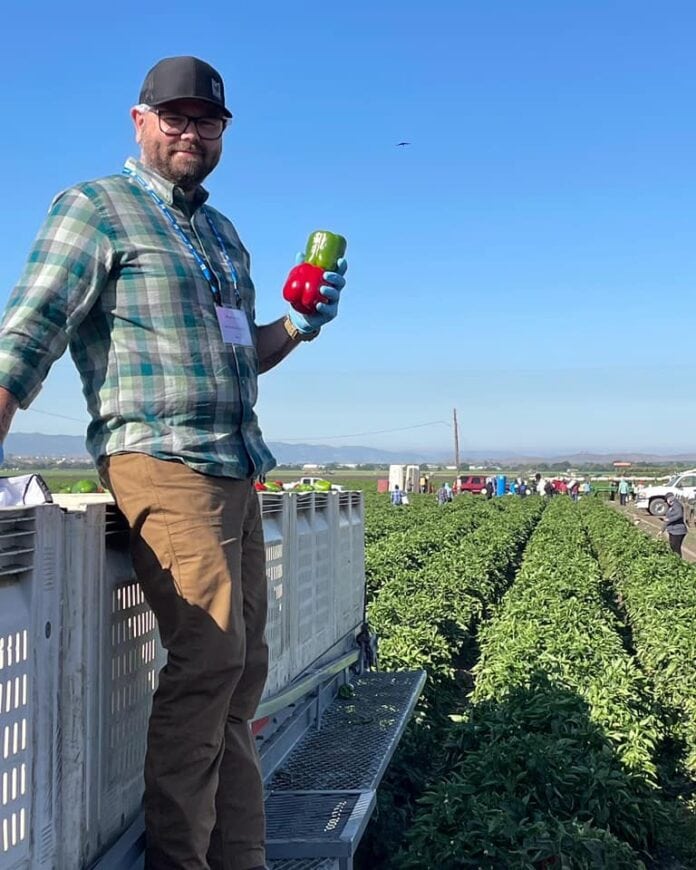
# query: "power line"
[[52, 414], [360, 434], [276, 438]]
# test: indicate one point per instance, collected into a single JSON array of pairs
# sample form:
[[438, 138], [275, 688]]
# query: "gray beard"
[[187, 180]]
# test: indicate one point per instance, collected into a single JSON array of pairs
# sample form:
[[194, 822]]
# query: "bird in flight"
[[402, 143]]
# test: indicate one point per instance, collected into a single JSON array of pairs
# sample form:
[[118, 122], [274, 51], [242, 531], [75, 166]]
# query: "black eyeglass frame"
[[189, 119]]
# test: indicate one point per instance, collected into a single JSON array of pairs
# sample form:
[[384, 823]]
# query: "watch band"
[[295, 333]]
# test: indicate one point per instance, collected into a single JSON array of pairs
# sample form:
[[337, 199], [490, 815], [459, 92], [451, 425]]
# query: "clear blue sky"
[[530, 258]]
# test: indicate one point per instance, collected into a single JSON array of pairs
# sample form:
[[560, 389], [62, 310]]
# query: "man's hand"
[[326, 311]]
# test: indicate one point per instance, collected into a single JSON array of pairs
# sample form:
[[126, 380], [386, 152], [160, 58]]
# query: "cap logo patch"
[[216, 88]]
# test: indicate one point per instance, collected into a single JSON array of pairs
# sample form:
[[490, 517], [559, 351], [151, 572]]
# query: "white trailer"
[[406, 476], [79, 659]]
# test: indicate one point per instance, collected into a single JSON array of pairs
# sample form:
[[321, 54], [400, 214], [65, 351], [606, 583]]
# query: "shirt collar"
[[172, 194]]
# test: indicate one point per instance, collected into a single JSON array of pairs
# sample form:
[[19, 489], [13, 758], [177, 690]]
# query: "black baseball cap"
[[183, 78]]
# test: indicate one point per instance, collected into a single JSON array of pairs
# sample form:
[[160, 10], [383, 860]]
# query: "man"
[[150, 289], [397, 497], [674, 523]]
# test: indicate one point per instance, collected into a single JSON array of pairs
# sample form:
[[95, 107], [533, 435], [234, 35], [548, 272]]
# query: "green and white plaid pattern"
[[109, 278]]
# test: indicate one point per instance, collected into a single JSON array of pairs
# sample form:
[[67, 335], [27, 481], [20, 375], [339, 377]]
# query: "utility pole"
[[456, 443]]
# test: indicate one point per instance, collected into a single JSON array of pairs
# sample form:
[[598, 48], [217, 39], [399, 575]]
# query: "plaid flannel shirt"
[[108, 277]]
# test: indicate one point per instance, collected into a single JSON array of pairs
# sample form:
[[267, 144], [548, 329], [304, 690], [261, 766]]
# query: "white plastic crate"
[[80, 653], [276, 522], [350, 561], [312, 578], [315, 570], [30, 561], [110, 628]]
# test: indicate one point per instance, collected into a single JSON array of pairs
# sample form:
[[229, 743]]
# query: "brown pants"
[[198, 552]]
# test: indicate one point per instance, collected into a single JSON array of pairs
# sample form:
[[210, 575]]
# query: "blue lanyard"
[[176, 226]]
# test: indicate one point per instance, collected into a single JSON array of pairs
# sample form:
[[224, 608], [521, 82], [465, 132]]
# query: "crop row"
[[422, 616], [553, 763], [555, 620], [431, 530], [425, 616], [382, 518], [658, 593]]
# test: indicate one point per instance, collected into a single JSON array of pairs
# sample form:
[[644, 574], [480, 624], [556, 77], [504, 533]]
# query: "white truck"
[[79, 659], [652, 498], [405, 476], [311, 481]]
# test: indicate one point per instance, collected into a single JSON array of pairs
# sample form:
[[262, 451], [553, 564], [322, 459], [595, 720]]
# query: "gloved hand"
[[326, 311]]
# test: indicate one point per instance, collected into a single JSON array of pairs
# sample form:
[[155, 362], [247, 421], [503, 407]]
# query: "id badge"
[[234, 326]]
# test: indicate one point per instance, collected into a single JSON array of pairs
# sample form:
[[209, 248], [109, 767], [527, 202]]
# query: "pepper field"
[[558, 724]]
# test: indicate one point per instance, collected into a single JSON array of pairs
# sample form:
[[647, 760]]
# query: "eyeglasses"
[[174, 124]]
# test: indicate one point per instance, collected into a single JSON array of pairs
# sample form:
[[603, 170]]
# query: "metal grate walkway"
[[322, 797], [305, 864]]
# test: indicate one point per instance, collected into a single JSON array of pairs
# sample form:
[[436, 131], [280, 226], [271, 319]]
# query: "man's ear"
[[138, 119]]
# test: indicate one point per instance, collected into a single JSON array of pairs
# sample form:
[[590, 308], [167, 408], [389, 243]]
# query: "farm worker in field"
[[443, 495], [624, 489], [490, 489], [543, 486], [674, 523], [150, 288], [397, 497], [586, 488]]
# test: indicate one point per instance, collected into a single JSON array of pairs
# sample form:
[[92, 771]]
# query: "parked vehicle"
[[652, 498], [313, 482], [471, 483]]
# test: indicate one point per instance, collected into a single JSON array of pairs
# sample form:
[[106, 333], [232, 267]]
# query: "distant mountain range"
[[73, 447]]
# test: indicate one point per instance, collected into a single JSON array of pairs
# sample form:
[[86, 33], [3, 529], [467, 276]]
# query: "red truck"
[[471, 483]]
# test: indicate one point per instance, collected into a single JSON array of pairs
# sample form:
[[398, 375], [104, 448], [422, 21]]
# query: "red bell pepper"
[[301, 288]]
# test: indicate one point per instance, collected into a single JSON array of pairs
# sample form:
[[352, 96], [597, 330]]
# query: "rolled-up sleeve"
[[69, 263]]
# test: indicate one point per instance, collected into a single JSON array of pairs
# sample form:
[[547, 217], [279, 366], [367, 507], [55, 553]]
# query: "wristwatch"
[[295, 333]]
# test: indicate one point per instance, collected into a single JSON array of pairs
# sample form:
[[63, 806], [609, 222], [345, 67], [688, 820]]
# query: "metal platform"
[[322, 797], [305, 864]]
